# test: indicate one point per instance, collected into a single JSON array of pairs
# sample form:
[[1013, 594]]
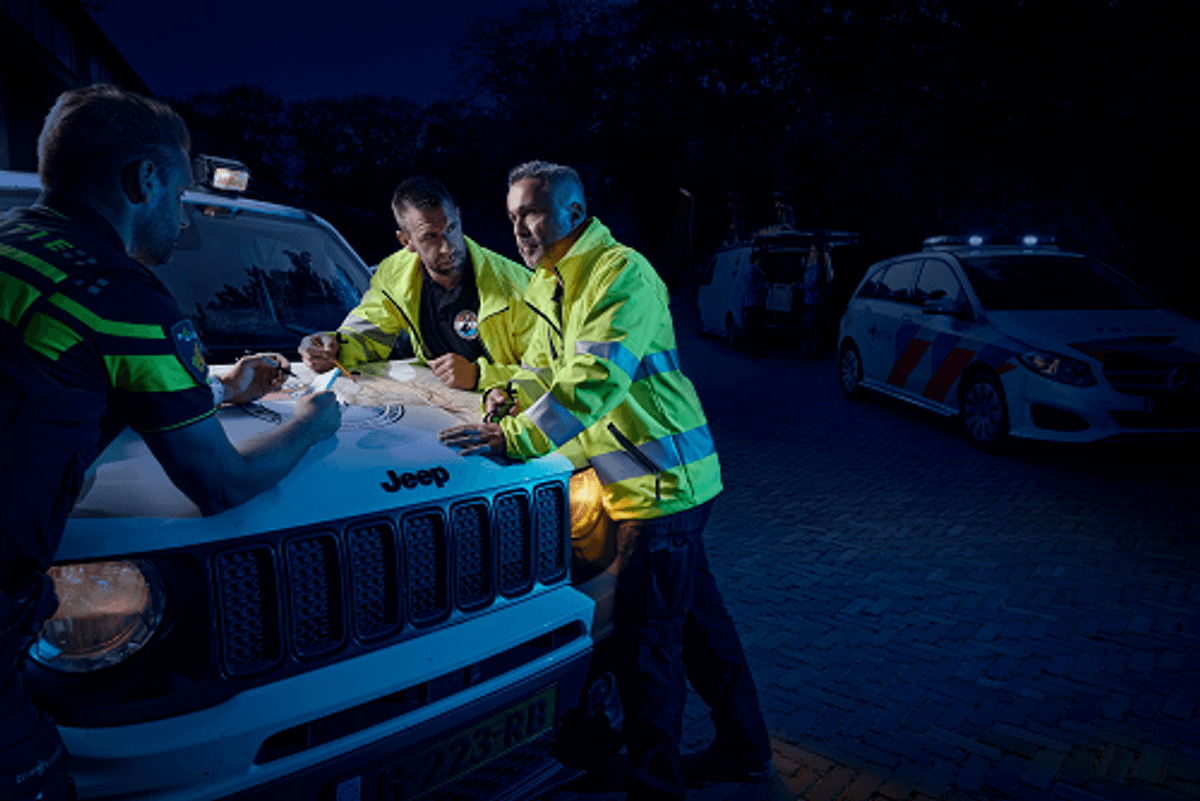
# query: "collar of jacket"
[[492, 281], [572, 267]]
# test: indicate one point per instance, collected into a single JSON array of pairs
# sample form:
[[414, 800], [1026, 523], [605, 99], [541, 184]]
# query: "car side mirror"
[[942, 305]]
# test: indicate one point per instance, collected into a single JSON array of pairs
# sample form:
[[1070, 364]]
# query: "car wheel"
[[984, 412], [850, 372], [733, 333]]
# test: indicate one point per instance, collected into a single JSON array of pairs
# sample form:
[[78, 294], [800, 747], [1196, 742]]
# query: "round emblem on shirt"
[[466, 324]]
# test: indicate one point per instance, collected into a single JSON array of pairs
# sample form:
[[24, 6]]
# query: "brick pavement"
[[929, 622]]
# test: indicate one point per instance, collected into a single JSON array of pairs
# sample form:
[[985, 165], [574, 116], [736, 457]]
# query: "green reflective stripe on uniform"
[[195, 419], [15, 297], [163, 373], [50, 337], [33, 262], [109, 327]]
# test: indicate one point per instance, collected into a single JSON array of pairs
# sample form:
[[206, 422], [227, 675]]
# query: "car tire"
[[850, 372], [733, 333], [984, 412]]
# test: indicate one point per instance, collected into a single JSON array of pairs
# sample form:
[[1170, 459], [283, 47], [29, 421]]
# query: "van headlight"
[[1059, 368], [106, 612]]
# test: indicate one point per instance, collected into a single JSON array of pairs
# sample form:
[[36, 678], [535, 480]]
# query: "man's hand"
[[255, 376], [454, 371], [495, 401], [318, 413], [475, 438], [318, 352]]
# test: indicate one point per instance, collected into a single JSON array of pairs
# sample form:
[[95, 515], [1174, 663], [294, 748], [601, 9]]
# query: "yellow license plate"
[[416, 774]]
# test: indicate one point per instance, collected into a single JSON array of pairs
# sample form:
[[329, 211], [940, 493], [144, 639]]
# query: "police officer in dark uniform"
[[90, 342]]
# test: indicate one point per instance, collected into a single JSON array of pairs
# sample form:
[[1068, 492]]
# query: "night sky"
[[297, 49]]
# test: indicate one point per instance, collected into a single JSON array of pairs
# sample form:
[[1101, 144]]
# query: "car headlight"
[[106, 612], [593, 537], [1059, 368]]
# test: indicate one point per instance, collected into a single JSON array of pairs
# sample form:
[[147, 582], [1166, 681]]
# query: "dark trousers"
[[671, 622]]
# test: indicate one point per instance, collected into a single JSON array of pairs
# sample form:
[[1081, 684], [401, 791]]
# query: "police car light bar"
[[225, 175], [977, 240]]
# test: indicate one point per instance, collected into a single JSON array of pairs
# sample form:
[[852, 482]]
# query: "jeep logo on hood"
[[438, 475]]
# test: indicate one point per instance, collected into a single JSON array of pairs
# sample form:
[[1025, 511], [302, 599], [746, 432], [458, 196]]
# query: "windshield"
[[254, 281], [1041, 282]]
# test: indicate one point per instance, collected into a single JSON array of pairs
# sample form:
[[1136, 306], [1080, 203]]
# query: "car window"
[[897, 281], [937, 280], [871, 287], [1028, 282]]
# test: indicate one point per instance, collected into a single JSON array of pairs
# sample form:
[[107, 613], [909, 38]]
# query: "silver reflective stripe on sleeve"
[[670, 451], [665, 361], [614, 352], [543, 373], [368, 329], [554, 420]]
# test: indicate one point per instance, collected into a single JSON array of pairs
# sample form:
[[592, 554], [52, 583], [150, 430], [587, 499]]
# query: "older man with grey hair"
[[603, 385]]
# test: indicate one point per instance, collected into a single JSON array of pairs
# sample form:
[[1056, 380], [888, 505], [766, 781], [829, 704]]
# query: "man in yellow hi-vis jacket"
[[459, 303], [602, 384]]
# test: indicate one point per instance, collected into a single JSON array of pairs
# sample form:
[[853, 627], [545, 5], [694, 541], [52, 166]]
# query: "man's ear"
[[136, 180], [577, 214], [403, 239]]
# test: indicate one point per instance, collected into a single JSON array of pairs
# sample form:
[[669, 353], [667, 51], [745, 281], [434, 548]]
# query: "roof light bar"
[[978, 240]]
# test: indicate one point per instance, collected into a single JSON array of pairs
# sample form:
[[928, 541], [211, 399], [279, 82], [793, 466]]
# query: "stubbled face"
[[160, 218], [538, 221], [436, 236]]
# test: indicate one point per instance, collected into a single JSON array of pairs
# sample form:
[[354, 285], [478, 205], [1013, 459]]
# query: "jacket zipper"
[[553, 327], [411, 327]]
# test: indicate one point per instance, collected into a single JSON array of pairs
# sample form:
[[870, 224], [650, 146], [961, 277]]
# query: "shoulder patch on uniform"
[[187, 348]]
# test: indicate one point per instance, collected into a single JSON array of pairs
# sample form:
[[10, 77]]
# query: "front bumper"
[[1048, 410], [218, 752]]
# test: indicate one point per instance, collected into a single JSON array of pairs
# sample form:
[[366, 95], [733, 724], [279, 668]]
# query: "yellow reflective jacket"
[[392, 304], [601, 382]]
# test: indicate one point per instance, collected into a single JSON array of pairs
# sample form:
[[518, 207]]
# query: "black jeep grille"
[[312, 593], [249, 620]]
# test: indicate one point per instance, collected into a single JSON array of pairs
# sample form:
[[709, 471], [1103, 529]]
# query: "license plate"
[[779, 298], [419, 773]]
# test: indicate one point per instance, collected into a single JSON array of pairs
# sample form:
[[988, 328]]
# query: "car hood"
[[1158, 335], [383, 457]]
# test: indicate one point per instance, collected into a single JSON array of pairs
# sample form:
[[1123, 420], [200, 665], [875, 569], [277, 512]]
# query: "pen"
[[345, 372]]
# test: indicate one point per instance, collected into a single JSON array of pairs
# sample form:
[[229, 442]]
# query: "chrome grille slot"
[[374, 580], [247, 609], [426, 563], [314, 594], [472, 555], [513, 541], [548, 504]]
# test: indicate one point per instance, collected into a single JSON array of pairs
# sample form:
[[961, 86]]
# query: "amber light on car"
[[106, 612], [593, 540]]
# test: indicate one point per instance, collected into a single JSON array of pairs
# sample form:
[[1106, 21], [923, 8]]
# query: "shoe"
[[708, 767]]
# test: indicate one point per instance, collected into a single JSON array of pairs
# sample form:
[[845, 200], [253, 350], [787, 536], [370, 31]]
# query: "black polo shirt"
[[450, 319]]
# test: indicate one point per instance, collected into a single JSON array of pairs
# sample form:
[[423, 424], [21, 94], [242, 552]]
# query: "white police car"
[[392, 620], [1021, 339]]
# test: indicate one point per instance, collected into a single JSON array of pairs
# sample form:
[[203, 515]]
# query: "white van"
[[783, 252], [392, 620]]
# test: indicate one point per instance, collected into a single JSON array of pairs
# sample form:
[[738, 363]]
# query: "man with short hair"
[[91, 341], [459, 303], [603, 386]]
